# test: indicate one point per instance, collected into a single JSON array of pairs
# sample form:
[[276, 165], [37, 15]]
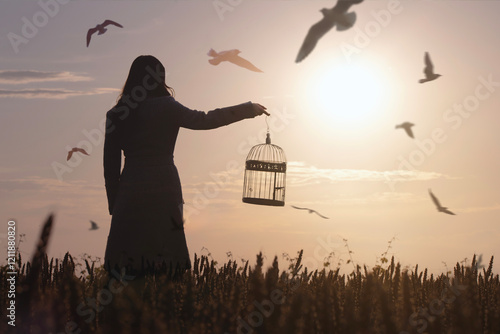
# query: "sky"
[[334, 115]]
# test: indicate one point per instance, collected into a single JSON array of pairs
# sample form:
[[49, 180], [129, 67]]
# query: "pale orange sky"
[[334, 114]]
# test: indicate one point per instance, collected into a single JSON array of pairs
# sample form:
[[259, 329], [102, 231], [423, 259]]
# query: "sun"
[[348, 94]]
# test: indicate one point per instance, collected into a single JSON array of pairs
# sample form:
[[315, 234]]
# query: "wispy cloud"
[[48, 185], [5, 170], [495, 207], [300, 173], [30, 197], [379, 197], [356, 200], [52, 93], [28, 76]]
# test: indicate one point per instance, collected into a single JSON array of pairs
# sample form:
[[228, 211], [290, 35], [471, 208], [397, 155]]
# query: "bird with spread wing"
[[93, 225], [334, 16], [429, 70], [75, 149], [100, 29], [438, 205], [232, 57], [407, 126], [310, 211]]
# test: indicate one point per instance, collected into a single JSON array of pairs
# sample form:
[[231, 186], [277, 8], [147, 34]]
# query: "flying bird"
[[101, 29], [232, 57], [479, 262], [438, 205], [407, 126], [429, 70], [310, 211], [336, 15], [75, 149], [93, 226]]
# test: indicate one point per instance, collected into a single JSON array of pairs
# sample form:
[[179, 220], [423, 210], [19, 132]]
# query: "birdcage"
[[265, 172]]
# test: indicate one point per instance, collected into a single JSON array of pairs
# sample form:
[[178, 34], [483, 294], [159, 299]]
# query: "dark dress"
[[145, 199]]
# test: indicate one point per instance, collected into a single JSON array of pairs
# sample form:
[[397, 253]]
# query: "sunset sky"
[[334, 114]]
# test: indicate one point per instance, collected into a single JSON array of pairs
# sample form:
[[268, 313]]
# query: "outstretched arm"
[[199, 120], [112, 162]]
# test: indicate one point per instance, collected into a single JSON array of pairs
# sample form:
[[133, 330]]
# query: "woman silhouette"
[[145, 199]]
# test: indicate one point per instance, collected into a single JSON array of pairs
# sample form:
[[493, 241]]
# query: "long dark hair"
[[145, 79], [143, 69]]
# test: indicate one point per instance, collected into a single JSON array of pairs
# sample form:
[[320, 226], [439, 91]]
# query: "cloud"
[[5, 170], [379, 197], [52, 93], [373, 198], [299, 173], [28, 76], [495, 207], [302, 174], [38, 195], [48, 185]]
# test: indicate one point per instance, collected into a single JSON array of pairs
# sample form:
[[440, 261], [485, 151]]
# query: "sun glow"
[[350, 95]]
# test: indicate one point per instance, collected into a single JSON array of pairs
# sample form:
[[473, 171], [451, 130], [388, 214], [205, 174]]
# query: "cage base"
[[263, 201]]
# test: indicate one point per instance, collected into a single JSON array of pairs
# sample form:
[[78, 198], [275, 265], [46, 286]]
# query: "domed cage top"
[[265, 172]]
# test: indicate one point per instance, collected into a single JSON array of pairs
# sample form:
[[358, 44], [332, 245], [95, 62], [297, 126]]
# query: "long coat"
[[145, 198]]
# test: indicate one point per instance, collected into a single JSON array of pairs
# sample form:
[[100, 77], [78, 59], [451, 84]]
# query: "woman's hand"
[[259, 109]]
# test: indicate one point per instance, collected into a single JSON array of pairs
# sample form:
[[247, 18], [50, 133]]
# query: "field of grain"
[[53, 296]]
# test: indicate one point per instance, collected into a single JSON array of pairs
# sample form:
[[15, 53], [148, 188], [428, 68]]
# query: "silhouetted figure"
[[93, 225], [232, 57], [101, 29], [310, 211], [429, 70], [438, 205], [407, 126], [75, 149], [337, 15], [145, 198]]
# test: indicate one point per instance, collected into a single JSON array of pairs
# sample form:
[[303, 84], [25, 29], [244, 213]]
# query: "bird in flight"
[[407, 126], [479, 262], [429, 70], [310, 211], [75, 149], [336, 15], [232, 57], [438, 205], [93, 226], [101, 29]]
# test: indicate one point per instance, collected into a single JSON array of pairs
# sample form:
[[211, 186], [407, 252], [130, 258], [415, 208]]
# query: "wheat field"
[[75, 296], [230, 298]]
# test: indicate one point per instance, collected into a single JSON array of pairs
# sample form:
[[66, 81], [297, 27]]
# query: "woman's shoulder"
[[159, 102], [122, 107], [162, 99], [114, 111]]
